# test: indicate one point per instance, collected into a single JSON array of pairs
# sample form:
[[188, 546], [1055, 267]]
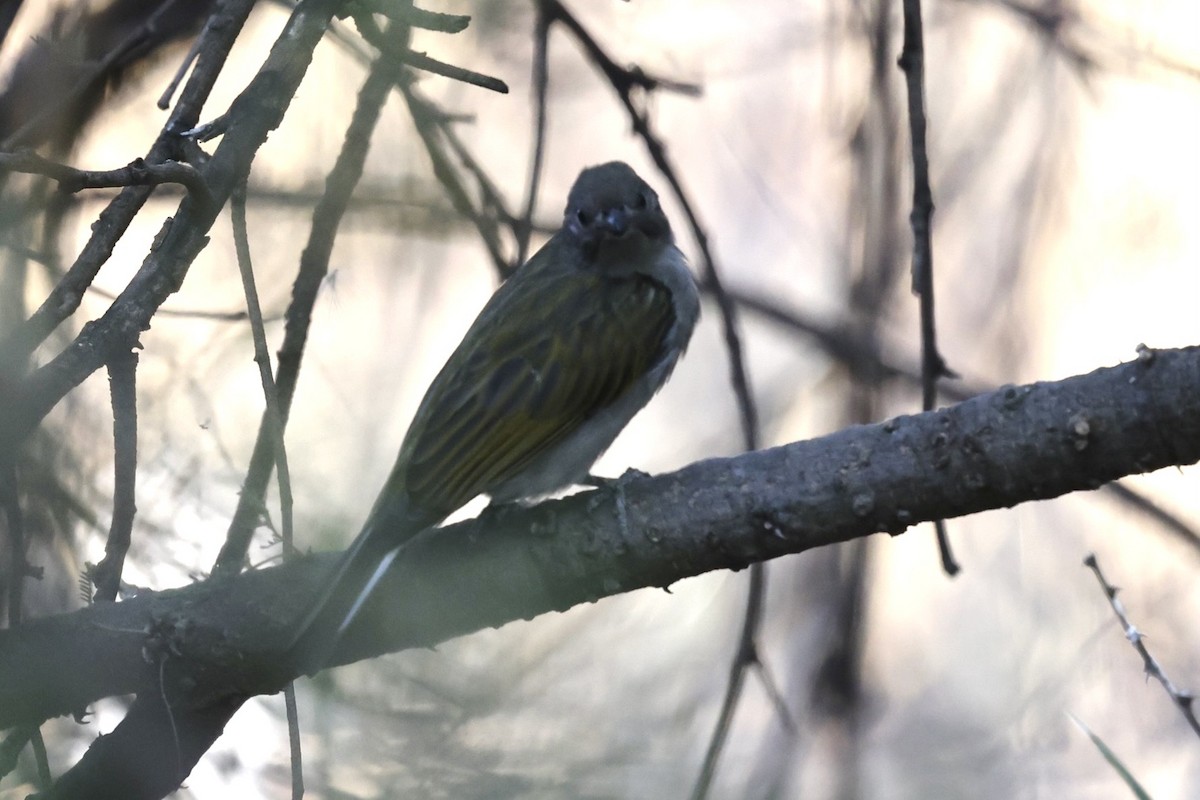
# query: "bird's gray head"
[[614, 214]]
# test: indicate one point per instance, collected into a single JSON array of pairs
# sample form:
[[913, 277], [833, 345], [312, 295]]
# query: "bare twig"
[[423, 62], [273, 414], [14, 743], [933, 366], [1170, 521], [623, 82], [436, 128], [273, 421], [294, 750], [135, 173], [1085, 46], [433, 128], [314, 266], [771, 686], [1010, 446], [122, 379], [260, 108], [403, 54], [1183, 699], [408, 14], [38, 744], [135, 40], [164, 100], [64, 298], [745, 657], [19, 570], [541, 81], [837, 341]]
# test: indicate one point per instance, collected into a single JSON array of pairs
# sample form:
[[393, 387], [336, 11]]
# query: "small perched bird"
[[563, 355]]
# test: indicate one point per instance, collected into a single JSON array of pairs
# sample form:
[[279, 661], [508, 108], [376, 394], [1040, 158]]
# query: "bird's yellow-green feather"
[[534, 374]]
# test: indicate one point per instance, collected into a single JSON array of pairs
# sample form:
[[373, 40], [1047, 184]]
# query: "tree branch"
[[136, 173], [327, 218], [993, 451], [260, 109]]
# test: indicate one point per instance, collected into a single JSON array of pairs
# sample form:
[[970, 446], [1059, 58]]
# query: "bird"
[[560, 359]]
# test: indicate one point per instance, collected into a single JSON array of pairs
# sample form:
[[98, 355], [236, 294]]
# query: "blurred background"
[[1063, 141]]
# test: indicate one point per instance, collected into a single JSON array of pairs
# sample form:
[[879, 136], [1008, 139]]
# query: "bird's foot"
[[617, 487]]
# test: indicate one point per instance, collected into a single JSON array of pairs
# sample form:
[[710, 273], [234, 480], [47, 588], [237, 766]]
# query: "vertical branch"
[[933, 367], [272, 415], [835, 692], [746, 656], [20, 569], [541, 81], [19, 566], [122, 382], [40, 759], [434, 131], [314, 266], [273, 420], [215, 42], [623, 82], [14, 743]]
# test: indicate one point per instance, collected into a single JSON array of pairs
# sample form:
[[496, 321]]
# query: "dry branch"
[[1014, 445]]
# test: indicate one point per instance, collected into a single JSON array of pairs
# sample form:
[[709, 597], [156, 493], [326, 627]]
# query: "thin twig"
[[122, 380], [933, 366], [403, 54], [164, 100], [747, 655], [40, 759], [273, 420], [273, 416], [771, 685], [408, 14], [541, 82], [217, 39], [838, 342], [314, 266], [432, 130], [436, 129], [1142, 504], [19, 570], [424, 62], [135, 173], [22, 135], [19, 567], [623, 81], [1181, 698], [295, 751]]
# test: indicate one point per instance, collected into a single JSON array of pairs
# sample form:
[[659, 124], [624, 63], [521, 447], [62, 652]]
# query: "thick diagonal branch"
[[993, 451]]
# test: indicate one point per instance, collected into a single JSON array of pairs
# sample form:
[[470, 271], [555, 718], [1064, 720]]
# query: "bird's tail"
[[364, 563]]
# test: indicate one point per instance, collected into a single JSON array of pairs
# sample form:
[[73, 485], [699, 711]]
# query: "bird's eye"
[[641, 201], [583, 217]]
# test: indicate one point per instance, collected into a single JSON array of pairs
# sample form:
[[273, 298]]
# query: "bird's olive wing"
[[532, 370]]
